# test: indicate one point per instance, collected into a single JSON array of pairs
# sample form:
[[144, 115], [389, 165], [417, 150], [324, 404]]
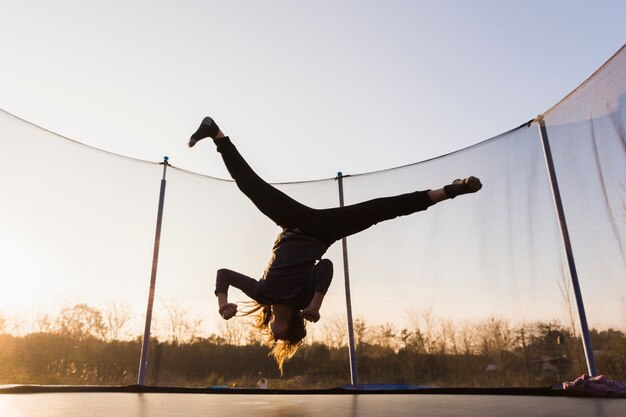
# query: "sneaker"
[[208, 129], [464, 186]]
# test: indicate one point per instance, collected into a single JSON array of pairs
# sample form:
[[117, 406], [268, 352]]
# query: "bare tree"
[[43, 324], [362, 335], [236, 332], [467, 338], [448, 342], [425, 333], [386, 336], [180, 328], [80, 321], [116, 317], [335, 332], [496, 337], [15, 324]]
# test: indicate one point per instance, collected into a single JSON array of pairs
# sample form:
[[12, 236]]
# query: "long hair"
[[282, 350]]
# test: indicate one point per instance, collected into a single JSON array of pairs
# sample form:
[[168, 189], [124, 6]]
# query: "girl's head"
[[283, 328]]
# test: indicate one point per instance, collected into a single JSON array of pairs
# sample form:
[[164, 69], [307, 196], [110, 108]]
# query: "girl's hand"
[[311, 314], [228, 310]]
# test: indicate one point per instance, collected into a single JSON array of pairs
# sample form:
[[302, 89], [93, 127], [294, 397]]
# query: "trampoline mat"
[[69, 404]]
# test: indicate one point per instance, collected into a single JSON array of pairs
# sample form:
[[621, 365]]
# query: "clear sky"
[[305, 88], [356, 86]]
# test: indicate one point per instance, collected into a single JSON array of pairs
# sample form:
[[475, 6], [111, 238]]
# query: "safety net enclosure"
[[475, 291]]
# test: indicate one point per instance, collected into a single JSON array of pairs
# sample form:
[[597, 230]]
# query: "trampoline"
[[138, 401], [511, 252]]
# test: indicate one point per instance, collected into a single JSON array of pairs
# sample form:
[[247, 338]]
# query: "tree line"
[[83, 345]]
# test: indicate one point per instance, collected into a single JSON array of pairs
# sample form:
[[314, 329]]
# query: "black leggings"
[[327, 225]]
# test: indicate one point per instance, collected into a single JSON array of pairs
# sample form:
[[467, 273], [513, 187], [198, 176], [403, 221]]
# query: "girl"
[[296, 279]]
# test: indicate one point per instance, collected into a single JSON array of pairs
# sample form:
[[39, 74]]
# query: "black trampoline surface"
[[226, 405], [71, 401]]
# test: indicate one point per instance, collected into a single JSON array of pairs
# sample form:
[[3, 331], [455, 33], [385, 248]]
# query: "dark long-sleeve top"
[[291, 277]]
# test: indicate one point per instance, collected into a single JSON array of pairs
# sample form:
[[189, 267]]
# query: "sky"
[[306, 89], [356, 86]]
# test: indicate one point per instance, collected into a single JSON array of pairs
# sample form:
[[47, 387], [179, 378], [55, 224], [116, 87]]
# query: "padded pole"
[[143, 361], [556, 194], [346, 273]]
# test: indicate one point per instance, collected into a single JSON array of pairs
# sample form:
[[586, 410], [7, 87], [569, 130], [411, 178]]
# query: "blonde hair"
[[282, 350]]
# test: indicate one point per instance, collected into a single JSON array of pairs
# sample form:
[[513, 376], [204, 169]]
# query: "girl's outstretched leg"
[[340, 222], [275, 204]]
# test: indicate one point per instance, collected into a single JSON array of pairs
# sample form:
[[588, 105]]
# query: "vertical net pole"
[[346, 273], [556, 194], [143, 361]]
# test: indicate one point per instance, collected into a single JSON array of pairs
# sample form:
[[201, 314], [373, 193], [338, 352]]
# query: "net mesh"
[[474, 291]]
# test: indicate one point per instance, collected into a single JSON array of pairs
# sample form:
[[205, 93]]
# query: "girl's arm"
[[226, 278], [312, 312], [323, 275]]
